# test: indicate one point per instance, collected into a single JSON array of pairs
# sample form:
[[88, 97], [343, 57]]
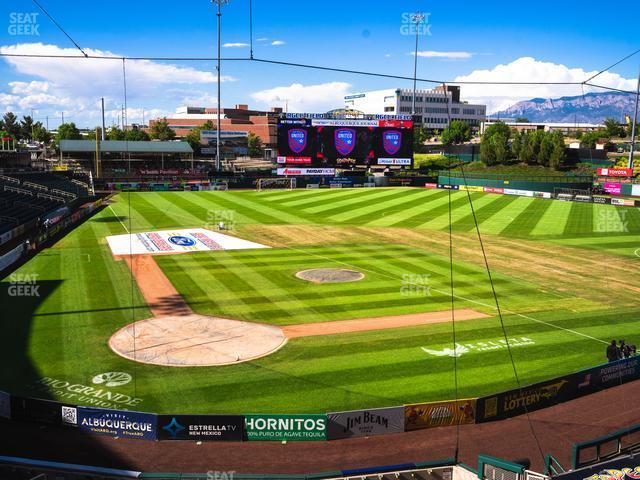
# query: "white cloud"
[[235, 45], [75, 85], [262, 39], [277, 43], [305, 98], [528, 69], [446, 55]]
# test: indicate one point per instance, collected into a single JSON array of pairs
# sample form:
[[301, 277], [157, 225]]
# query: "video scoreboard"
[[314, 141]]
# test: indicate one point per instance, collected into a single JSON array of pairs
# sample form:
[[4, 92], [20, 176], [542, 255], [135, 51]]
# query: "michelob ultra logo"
[[286, 427]]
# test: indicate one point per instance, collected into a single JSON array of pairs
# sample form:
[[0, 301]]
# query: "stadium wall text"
[[319, 427]]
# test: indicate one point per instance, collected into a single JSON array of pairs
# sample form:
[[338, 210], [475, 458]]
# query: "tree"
[[558, 153], [26, 127], [589, 139], [136, 135], [494, 146], [420, 135], [41, 134], [254, 145], [457, 132], [546, 148], [115, 133], [516, 144], [613, 128], [10, 125], [160, 130], [68, 131]]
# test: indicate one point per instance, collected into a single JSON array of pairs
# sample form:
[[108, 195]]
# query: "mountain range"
[[588, 108]]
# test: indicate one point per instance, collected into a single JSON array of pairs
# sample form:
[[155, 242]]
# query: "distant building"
[[433, 107], [565, 128], [237, 119]]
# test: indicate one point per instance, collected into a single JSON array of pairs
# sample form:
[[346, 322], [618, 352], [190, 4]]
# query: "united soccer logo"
[[182, 241], [392, 141], [297, 140], [345, 140]]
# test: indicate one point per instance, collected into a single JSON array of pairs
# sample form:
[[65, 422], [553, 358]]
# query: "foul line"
[[114, 212]]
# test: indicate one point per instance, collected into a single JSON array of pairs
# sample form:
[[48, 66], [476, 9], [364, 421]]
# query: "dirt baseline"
[[177, 337]]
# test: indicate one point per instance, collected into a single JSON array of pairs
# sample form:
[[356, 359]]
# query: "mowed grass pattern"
[[88, 295]]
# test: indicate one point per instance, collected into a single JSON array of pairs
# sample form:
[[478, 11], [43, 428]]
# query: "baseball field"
[[565, 275]]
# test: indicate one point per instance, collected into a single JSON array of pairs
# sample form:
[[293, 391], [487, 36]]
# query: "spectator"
[[612, 352]]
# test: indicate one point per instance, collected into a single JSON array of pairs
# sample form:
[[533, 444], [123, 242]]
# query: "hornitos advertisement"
[[438, 414], [286, 427]]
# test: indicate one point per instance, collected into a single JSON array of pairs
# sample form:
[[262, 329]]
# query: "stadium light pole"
[[417, 18], [633, 126], [219, 4]]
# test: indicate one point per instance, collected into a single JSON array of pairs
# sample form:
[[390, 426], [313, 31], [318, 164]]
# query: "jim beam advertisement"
[[364, 423], [286, 427], [218, 428], [439, 414], [532, 397]]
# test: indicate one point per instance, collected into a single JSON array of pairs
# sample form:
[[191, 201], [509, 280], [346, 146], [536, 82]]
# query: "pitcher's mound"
[[330, 275], [195, 341]]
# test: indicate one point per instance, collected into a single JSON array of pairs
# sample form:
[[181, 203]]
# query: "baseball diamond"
[[252, 337]]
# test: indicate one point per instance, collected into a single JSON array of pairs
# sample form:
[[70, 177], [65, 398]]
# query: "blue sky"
[[480, 40]]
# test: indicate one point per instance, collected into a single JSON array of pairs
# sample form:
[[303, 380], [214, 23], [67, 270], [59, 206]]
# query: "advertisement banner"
[[493, 190], [471, 188], [602, 200], [5, 405], [520, 193], [117, 423], [306, 171], [635, 190], [295, 160], [438, 414], [431, 185], [612, 188], [541, 195], [220, 428], [443, 186], [364, 423], [529, 398], [286, 427], [623, 202], [608, 375], [394, 161], [35, 410], [615, 172]]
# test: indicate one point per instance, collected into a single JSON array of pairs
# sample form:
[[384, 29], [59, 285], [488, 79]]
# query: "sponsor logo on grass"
[[286, 427], [112, 379], [182, 241], [462, 348], [23, 285], [84, 394]]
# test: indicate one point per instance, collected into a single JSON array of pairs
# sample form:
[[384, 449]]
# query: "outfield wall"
[[320, 427]]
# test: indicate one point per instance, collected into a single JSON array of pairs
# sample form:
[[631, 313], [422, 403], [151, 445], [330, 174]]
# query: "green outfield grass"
[[565, 275]]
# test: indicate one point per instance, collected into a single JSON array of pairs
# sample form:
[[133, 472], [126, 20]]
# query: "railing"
[[51, 197], [64, 193], [515, 177], [14, 467], [7, 188], [29, 206], [9, 179], [552, 466], [608, 446], [35, 186]]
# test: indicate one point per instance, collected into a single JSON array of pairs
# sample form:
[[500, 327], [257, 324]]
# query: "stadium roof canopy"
[[121, 146]]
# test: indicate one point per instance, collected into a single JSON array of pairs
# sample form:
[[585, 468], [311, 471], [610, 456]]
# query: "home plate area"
[[176, 241]]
